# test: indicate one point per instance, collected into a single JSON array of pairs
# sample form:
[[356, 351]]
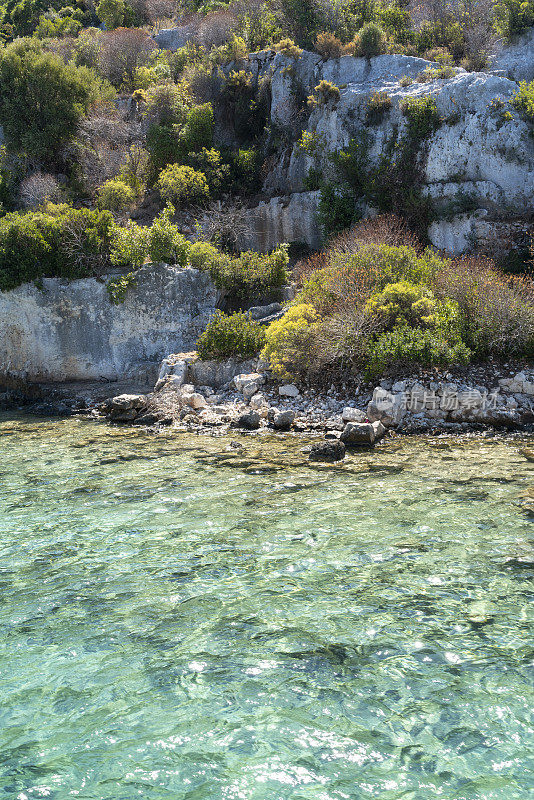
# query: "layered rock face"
[[71, 331], [480, 157]]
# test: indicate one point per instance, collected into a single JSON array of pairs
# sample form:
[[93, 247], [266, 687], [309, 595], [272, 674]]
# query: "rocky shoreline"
[[218, 397]]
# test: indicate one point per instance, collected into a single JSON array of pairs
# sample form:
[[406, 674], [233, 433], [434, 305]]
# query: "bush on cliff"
[[370, 41], [233, 335], [115, 195], [523, 101], [58, 241], [183, 185], [249, 276], [133, 244]]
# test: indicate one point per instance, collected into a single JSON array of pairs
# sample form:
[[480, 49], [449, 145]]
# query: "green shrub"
[[59, 241], [405, 346], [111, 12], [371, 41], [324, 92], [54, 25], [245, 170], [381, 307], [129, 246], [378, 104], [259, 26], [312, 143], [210, 163], [353, 277], [523, 100], [234, 335], [115, 195], [393, 183], [422, 115], [288, 48], [497, 310], [234, 50], [198, 130], [42, 99], [249, 276], [439, 54], [288, 342], [166, 104], [165, 242], [433, 74], [405, 304], [203, 254], [173, 142], [337, 209], [301, 19], [117, 288], [513, 16], [163, 145], [183, 185]]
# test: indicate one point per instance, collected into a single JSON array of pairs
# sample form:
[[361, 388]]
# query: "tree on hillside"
[[42, 100]]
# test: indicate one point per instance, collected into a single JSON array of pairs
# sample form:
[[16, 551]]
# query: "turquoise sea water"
[[180, 619]]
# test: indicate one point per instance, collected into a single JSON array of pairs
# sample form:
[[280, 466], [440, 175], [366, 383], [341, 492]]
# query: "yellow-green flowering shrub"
[[288, 340]]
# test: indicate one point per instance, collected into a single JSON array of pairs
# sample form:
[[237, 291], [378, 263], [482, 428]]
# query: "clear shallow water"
[[176, 622]]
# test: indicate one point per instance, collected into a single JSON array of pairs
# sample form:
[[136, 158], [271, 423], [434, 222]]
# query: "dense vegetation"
[[117, 153], [189, 129], [375, 301]]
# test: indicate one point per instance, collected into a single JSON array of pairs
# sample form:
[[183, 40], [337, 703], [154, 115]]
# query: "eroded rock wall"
[[479, 154], [71, 331]]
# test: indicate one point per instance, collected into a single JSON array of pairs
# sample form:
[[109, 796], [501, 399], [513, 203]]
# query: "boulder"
[[283, 420], [218, 373], [126, 407], [246, 379], [172, 371], [250, 420], [250, 389], [258, 401], [353, 415], [358, 434], [380, 430], [388, 408], [331, 451], [288, 390], [264, 312], [195, 400]]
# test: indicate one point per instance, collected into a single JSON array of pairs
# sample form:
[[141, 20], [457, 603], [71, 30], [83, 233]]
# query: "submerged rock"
[[528, 453], [327, 451], [250, 420], [125, 407]]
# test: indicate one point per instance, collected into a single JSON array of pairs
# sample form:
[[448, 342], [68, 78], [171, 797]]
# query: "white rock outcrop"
[[71, 331], [516, 60], [477, 154]]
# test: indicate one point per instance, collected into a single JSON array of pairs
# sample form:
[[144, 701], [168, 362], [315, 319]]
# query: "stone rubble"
[[471, 399]]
